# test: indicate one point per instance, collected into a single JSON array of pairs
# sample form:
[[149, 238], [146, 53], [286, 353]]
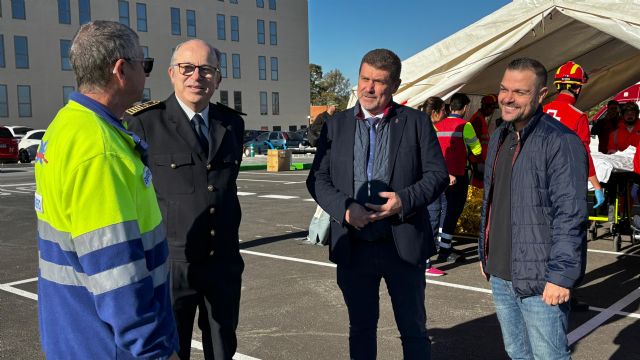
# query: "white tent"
[[602, 36]]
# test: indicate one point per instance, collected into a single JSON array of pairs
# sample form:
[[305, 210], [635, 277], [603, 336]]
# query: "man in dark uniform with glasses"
[[195, 149]]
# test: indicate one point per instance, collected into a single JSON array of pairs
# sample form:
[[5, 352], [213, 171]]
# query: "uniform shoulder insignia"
[[224, 107], [134, 110]]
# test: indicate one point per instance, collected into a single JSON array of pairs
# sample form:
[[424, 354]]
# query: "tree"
[[331, 87], [315, 78]]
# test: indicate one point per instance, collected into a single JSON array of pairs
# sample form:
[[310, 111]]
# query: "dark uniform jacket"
[[197, 192], [417, 174], [548, 206]]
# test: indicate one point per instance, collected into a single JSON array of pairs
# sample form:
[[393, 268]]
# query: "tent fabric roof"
[[603, 37]]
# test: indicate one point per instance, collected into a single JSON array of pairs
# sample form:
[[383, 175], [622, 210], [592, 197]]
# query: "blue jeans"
[[531, 329]]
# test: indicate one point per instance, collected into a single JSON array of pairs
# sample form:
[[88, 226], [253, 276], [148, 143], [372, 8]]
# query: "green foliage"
[[332, 87]]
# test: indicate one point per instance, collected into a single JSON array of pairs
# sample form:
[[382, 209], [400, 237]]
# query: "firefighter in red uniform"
[[628, 131], [480, 122], [569, 80]]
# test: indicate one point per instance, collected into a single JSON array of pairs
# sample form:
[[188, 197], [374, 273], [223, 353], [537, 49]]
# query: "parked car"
[[294, 140], [252, 134], [18, 131], [266, 141], [8, 146], [28, 154], [32, 137]]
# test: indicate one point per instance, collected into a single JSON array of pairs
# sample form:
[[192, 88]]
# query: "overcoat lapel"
[[178, 119], [217, 131]]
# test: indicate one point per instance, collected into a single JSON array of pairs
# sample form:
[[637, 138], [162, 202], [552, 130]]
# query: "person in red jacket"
[[628, 131], [606, 125], [569, 79], [480, 122]]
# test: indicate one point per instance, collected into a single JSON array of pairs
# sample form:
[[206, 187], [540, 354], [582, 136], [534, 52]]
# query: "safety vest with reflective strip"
[[454, 135], [102, 246], [479, 123]]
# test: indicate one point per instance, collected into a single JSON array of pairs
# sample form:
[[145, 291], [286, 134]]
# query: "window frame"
[[235, 75], [22, 103], [261, 35], [64, 57], [221, 27], [223, 65], [141, 21], [122, 16], [262, 67], [237, 100], [274, 69], [14, 10], [264, 107], [16, 53], [4, 101], [275, 103], [66, 19], [273, 33], [84, 11], [175, 21], [190, 13], [235, 30]]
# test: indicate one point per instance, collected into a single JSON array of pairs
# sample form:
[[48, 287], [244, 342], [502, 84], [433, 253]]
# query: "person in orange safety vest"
[[569, 79], [480, 122]]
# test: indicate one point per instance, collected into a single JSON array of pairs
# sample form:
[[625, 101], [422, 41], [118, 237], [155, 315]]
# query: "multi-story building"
[[264, 44]]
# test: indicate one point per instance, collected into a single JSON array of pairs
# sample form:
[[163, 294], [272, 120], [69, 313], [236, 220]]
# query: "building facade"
[[265, 47]]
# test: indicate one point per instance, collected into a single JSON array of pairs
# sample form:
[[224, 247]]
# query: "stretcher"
[[615, 173]]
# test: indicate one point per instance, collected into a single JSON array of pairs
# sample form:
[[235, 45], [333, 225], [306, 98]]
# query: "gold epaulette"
[[142, 106]]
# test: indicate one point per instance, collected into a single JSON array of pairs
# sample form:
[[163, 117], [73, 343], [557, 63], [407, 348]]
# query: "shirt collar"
[[190, 113], [566, 98], [362, 114]]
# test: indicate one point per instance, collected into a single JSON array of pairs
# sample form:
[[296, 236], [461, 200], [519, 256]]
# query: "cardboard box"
[[278, 160]]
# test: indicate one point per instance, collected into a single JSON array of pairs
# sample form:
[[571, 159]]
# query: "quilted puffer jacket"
[[548, 205]]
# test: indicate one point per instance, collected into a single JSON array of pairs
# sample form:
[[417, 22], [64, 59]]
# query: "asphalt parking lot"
[[291, 306]]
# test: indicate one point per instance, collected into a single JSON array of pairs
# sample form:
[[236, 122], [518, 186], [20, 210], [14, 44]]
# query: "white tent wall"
[[602, 36]]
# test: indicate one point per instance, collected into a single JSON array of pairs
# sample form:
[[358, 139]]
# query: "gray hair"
[[212, 49], [384, 59], [96, 47]]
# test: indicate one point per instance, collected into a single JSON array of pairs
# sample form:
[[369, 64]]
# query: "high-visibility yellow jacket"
[[103, 283]]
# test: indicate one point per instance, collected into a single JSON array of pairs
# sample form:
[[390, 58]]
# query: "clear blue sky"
[[342, 31]]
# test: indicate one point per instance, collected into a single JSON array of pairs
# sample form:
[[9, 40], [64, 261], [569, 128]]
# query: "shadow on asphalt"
[[272, 239]]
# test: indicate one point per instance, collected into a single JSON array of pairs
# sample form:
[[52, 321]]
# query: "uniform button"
[[212, 210], [208, 166], [213, 232], [173, 166], [211, 253], [236, 162], [210, 187]]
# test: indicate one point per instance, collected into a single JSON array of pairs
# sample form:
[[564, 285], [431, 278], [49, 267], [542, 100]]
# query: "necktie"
[[199, 127], [372, 146]]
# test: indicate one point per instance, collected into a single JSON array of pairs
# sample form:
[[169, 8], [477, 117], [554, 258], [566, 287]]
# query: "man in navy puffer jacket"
[[532, 242]]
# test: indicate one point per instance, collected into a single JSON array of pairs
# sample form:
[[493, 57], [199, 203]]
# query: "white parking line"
[[198, 345], [595, 322], [241, 193], [273, 181], [612, 252], [283, 197], [276, 174]]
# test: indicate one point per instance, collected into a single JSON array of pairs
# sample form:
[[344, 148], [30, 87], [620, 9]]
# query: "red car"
[[8, 146]]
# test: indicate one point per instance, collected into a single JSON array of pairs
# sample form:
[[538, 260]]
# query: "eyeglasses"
[[147, 64], [206, 71]]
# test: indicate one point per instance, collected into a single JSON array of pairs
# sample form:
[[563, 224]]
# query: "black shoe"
[[451, 256]]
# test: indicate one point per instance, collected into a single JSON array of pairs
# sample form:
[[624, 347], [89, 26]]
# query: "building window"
[[235, 29], [123, 12], [263, 103], [141, 17], [237, 100], [64, 12], [273, 33], [277, 128], [4, 101], [233, 1], [175, 21], [2, 63], [221, 27], [66, 91], [262, 68], [260, 3], [84, 7], [274, 68], [21, 48], [191, 23], [272, 4], [24, 101], [235, 61], [65, 45], [293, 128], [146, 95], [223, 65], [17, 10], [224, 97], [260, 31], [275, 103]]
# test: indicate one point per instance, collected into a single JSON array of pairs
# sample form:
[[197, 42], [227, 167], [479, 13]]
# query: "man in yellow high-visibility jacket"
[[102, 247]]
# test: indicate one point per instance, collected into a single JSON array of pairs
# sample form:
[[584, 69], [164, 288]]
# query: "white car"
[[18, 131], [32, 137], [29, 141]]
